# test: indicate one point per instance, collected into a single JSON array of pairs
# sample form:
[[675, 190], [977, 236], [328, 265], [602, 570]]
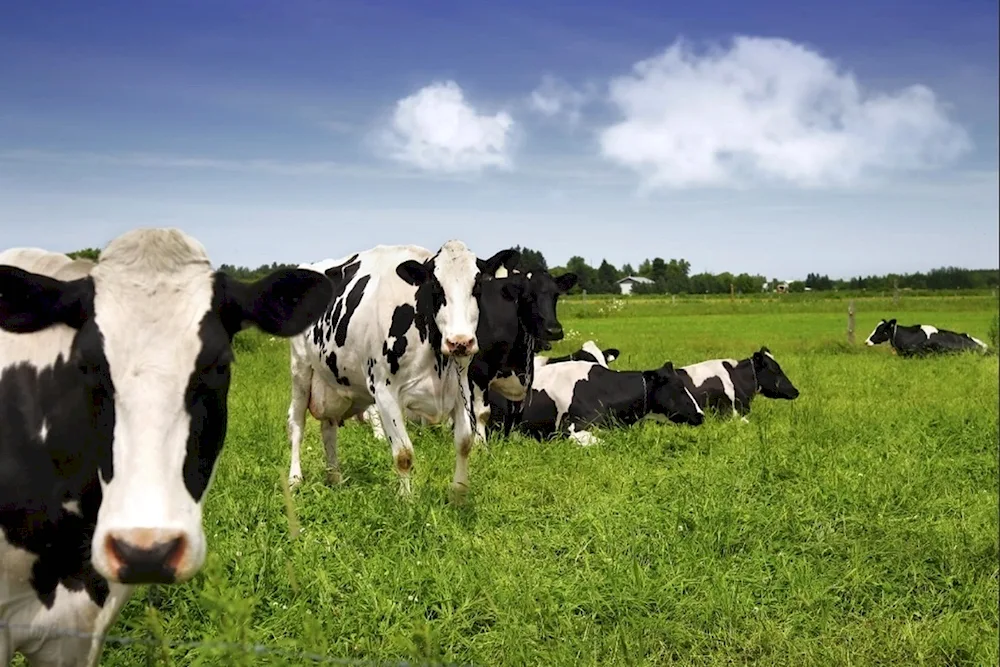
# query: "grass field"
[[854, 526]]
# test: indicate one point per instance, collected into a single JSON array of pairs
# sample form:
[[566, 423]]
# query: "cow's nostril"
[[142, 561]]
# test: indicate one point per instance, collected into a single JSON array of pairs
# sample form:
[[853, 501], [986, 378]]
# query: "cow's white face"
[[457, 315], [448, 290], [152, 354], [164, 397]]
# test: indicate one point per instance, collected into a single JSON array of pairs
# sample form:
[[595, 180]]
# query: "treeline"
[[674, 277]]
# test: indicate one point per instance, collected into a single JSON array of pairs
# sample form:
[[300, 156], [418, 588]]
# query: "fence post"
[[895, 293], [850, 322], [732, 292]]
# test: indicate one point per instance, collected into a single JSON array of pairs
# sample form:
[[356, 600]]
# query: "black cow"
[[729, 385], [573, 396], [922, 339], [114, 378]]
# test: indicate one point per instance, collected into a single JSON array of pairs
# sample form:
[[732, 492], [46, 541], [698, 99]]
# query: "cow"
[[517, 311], [728, 385], [922, 339], [400, 332], [572, 397], [114, 379], [587, 352]]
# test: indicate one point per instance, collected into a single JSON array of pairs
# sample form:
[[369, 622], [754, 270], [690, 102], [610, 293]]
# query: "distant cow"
[[399, 333], [574, 396], [728, 385], [587, 352], [922, 339], [114, 379]]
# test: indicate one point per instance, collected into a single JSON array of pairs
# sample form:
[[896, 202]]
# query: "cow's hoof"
[[334, 477], [458, 493], [294, 480], [405, 492]]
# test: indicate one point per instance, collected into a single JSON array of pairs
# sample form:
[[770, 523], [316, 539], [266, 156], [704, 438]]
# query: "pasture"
[[855, 525]]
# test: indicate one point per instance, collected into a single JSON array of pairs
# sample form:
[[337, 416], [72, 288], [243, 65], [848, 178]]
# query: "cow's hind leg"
[[395, 428]]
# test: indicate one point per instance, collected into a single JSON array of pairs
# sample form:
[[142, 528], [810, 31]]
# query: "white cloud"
[[554, 96], [768, 110], [437, 130]]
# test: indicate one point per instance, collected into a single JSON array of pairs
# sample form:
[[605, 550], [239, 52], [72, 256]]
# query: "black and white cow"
[[516, 311], [587, 352], [400, 332], [572, 397], [114, 379], [728, 385], [922, 339]]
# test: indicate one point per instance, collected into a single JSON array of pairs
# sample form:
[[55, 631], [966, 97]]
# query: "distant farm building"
[[781, 288], [626, 283]]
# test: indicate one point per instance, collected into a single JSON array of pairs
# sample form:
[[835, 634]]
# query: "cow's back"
[[354, 332]]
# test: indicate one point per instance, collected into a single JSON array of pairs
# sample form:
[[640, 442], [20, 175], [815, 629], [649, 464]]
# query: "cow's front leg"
[[118, 595], [395, 428], [462, 415]]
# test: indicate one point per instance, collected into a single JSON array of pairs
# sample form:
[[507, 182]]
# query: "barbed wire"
[[254, 649]]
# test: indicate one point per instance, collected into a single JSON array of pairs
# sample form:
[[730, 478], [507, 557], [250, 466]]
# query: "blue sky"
[[771, 137]]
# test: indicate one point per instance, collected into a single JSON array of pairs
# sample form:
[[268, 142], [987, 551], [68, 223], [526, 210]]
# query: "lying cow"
[[587, 352], [574, 396], [114, 379], [399, 333], [922, 339], [728, 385]]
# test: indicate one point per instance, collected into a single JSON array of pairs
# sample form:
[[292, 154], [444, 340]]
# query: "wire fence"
[[154, 645]]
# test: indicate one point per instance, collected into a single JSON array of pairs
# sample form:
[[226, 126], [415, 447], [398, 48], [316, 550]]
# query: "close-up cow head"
[[151, 355], [882, 333], [448, 288], [771, 380], [670, 398]]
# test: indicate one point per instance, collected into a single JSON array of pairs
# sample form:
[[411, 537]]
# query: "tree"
[[531, 260], [585, 274], [607, 278], [627, 270], [87, 253], [676, 276]]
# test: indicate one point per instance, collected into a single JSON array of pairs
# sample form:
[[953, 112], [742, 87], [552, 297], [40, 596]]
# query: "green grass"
[[855, 526]]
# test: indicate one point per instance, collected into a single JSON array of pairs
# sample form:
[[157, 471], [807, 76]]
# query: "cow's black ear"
[[413, 272], [282, 303], [764, 350], [666, 370], [758, 359], [566, 281], [31, 301], [891, 322], [506, 258], [611, 354]]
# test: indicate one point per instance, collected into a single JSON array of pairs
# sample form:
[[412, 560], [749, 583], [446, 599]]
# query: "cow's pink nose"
[[146, 555], [461, 346]]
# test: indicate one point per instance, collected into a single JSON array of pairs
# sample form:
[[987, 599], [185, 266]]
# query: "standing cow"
[[114, 379], [517, 312], [922, 339], [400, 332], [729, 385]]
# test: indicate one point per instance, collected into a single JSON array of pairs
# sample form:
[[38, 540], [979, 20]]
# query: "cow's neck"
[[636, 397], [423, 319], [745, 377]]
